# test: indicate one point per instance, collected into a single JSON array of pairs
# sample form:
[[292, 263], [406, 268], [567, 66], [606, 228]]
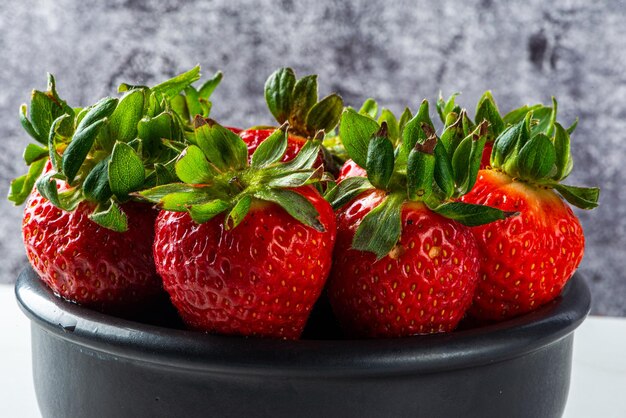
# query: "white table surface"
[[598, 388]]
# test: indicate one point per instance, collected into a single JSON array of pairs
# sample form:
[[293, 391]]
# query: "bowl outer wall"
[[195, 351]]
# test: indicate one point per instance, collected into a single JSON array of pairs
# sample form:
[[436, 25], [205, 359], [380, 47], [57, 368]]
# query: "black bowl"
[[87, 364]]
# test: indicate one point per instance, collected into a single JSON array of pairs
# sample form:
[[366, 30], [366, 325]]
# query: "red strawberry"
[[260, 278], [404, 264], [245, 250], [526, 260], [351, 169], [89, 264], [83, 235], [425, 285]]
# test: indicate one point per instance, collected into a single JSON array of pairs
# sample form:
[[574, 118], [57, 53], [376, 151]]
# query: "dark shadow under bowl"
[[87, 364]]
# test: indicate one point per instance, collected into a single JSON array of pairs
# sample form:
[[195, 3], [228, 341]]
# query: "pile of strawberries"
[[403, 230]]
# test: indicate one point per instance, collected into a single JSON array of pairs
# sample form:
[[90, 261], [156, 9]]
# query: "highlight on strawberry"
[[84, 234], [526, 260], [405, 261], [243, 243]]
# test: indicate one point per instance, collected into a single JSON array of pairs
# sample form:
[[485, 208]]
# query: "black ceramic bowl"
[[87, 364]]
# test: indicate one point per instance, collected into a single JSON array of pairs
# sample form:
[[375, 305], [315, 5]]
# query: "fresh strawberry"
[[424, 286], [404, 262], [87, 263], [83, 235], [243, 247], [526, 260]]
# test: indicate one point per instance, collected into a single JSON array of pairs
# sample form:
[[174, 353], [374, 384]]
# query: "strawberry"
[[243, 245], [89, 242], [87, 263], [405, 261], [526, 260]]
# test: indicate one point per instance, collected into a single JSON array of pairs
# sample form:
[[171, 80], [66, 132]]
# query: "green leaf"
[[470, 214], [209, 86], [28, 127], [79, 148], [110, 216], [346, 190], [225, 149], [22, 186], [306, 157], [43, 111], [297, 178], [57, 126], [466, 159], [581, 197], [304, 98], [126, 171], [163, 175], [279, 93], [404, 119], [445, 107], [177, 196], [296, 205], [380, 229], [453, 135], [536, 159], [47, 187], [369, 108], [572, 127], [85, 135], [380, 159], [192, 167], [271, 150], [193, 102], [355, 131], [413, 131], [563, 158], [96, 185], [517, 115], [101, 110], [179, 106], [123, 121], [238, 212], [325, 114], [33, 153], [541, 119], [204, 212], [443, 174], [420, 170], [487, 110], [173, 86], [392, 125]]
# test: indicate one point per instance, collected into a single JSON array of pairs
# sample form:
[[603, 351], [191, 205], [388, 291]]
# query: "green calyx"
[[296, 102], [422, 167], [109, 150], [536, 149], [216, 177]]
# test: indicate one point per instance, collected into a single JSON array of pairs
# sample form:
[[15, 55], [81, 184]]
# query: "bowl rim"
[[191, 350]]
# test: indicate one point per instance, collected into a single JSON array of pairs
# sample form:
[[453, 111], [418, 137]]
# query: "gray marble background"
[[397, 52]]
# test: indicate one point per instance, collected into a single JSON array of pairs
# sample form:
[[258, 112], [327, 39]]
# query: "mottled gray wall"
[[523, 51]]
